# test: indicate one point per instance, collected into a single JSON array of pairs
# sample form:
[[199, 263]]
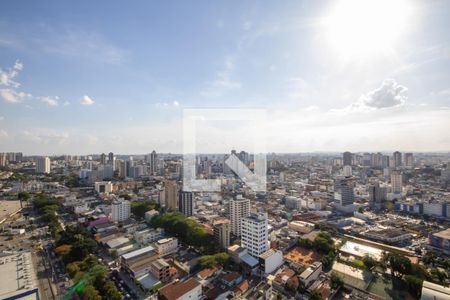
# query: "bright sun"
[[362, 28]]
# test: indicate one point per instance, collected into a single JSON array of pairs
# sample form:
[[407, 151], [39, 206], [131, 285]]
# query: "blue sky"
[[88, 77]]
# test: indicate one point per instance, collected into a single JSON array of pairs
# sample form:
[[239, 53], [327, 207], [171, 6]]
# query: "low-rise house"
[[190, 289], [271, 260], [162, 270], [167, 246], [286, 276], [231, 279], [147, 236], [310, 274], [263, 291], [241, 288], [137, 263], [206, 275]]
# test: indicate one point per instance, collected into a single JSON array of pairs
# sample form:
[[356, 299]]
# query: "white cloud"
[[12, 96], [86, 100], [84, 45], [222, 81], [389, 94], [2, 118], [168, 104], [7, 76], [50, 100]]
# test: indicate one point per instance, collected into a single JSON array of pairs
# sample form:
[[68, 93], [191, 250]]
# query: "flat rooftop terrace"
[[16, 274]]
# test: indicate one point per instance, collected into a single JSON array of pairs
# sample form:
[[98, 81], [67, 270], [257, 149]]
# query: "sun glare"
[[362, 28]]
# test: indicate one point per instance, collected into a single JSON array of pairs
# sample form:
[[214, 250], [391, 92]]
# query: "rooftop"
[[177, 289], [16, 273], [445, 234], [138, 252], [360, 250]]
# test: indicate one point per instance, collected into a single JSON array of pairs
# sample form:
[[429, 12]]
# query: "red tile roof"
[[177, 289]]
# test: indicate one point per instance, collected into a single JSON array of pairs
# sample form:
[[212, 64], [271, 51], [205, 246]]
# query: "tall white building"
[[396, 183], [43, 165], [254, 234], [347, 171], [239, 208], [120, 210]]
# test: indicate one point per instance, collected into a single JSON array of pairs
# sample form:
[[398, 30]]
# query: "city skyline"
[[75, 83]]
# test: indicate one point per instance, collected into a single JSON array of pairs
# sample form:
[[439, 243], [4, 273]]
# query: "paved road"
[[46, 288]]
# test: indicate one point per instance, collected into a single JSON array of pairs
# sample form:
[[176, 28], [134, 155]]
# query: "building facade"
[[254, 234]]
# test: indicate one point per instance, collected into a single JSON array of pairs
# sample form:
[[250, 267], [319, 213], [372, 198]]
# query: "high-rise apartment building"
[[239, 208], [377, 196], [3, 160], [396, 182], [120, 167], [152, 162], [385, 159], [111, 158], [347, 158], [409, 159], [222, 230], [43, 165], [103, 159], [185, 203], [254, 234], [397, 159], [120, 210], [343, 191], [347, 170], [170, 195]]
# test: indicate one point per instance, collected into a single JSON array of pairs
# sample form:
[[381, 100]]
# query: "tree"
[[222, 258], [399, 264], [139, 208], [414, 285], [305, 243], [72, 269], [369, 261], [336, 281], [438, 275], [23, 196], [328, 260], [292, 285], [187, 230], [207, 261], [430, 257], [90, 293], [316, 295], [324, 243]]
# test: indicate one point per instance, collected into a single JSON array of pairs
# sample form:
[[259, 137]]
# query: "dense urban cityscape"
[[330, 226]]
